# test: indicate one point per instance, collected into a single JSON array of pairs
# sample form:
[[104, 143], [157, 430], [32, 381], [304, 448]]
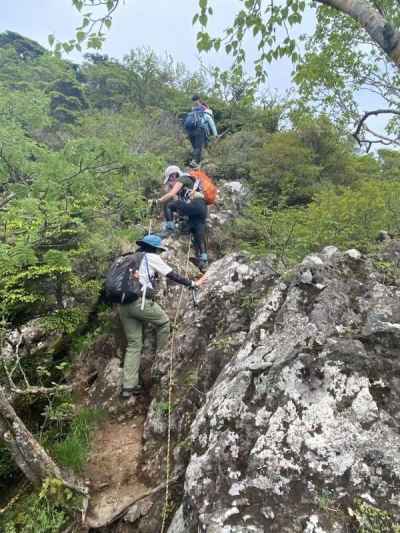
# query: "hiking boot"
[[194, 260], [194, 164], [202, 266], [128, 392], [202, 262]]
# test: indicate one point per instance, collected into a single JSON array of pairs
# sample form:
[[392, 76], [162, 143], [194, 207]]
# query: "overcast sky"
[[164, 25]]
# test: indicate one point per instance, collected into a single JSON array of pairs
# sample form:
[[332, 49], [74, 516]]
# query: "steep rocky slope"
[[303, 419], [284, 400]]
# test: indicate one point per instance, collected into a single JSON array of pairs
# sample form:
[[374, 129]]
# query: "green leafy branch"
[[262, 19], [91, 32]]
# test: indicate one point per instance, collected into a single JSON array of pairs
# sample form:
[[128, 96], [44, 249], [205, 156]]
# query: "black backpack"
[[122, 286]]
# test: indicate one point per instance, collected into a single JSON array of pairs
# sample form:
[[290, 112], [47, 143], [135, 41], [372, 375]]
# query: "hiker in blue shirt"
[[199, 125]]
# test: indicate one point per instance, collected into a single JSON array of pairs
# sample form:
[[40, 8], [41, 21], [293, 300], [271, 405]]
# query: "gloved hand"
[[194, 288], [199, 282]]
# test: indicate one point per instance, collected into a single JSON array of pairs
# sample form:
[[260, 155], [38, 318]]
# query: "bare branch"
[[28, 453], [361, 124], [44, 391], [379, 139], [5, 201]]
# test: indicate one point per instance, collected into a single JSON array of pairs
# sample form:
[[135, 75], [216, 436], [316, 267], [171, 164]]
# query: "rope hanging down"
[[171, 362]]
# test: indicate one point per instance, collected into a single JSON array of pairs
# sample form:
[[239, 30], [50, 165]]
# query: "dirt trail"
[[111, 470]]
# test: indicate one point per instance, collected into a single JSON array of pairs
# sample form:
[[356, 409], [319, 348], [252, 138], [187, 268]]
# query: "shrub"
[[345, 218], [74, 449]]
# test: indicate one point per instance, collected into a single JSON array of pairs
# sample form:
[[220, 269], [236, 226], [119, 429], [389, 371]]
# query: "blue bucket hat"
[[152, 240]]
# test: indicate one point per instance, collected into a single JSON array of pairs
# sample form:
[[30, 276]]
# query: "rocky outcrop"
[[31, 339], [285, 389], [204, 342], [232, 199], [301, 421]]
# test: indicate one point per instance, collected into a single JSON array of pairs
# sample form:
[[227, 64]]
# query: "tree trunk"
[[26, 451], [379, 29]]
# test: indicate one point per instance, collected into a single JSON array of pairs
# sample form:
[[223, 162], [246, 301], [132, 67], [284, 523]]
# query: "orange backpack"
[[207, 185]]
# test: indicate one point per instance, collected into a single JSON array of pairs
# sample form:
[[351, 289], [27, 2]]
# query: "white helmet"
[[173, 169]]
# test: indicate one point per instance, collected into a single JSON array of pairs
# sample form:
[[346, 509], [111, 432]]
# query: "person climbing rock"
[[185, 197], [144, 310], [199, 125], [171, 174]]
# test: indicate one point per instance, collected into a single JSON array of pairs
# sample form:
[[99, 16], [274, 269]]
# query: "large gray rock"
[[301, 417], [204, 342], [31, 339]]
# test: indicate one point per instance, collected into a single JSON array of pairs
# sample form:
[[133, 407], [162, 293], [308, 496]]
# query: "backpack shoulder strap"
[[137, 258], [146, 263]]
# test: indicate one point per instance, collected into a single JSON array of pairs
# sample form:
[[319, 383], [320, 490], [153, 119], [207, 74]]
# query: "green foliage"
[[94, 24], [390, 161], [163, 408], [38, 516], [83, 147], [237, 155], [73, 450], [285, 170], [340, 64], [261, 20], [346, 218], [371, 519], [389, 269], [8, 469], [289, 167], [64, 320], [48, 510]]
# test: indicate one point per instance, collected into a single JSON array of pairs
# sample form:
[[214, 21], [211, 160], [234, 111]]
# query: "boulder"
[[300, 422]]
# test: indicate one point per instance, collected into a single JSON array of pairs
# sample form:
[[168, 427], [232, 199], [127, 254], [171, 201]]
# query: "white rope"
[[171, 362]]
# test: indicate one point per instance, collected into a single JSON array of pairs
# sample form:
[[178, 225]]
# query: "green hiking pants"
[[133, 319]]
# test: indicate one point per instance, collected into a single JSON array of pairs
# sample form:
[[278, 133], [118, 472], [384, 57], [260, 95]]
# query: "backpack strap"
[[187, 193], [128, 272], [146, 262]]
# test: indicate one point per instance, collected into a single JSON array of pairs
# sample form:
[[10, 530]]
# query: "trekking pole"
[[151, 210], [220, 136]]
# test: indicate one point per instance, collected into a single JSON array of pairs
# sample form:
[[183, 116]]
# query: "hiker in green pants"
[[144, 310]]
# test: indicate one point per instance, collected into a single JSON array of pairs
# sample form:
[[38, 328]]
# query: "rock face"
[[301, 418], [285, 394], [204, 342]]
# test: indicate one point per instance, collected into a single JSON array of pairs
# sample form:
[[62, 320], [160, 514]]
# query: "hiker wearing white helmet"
[[171, 174], [184, 196]]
